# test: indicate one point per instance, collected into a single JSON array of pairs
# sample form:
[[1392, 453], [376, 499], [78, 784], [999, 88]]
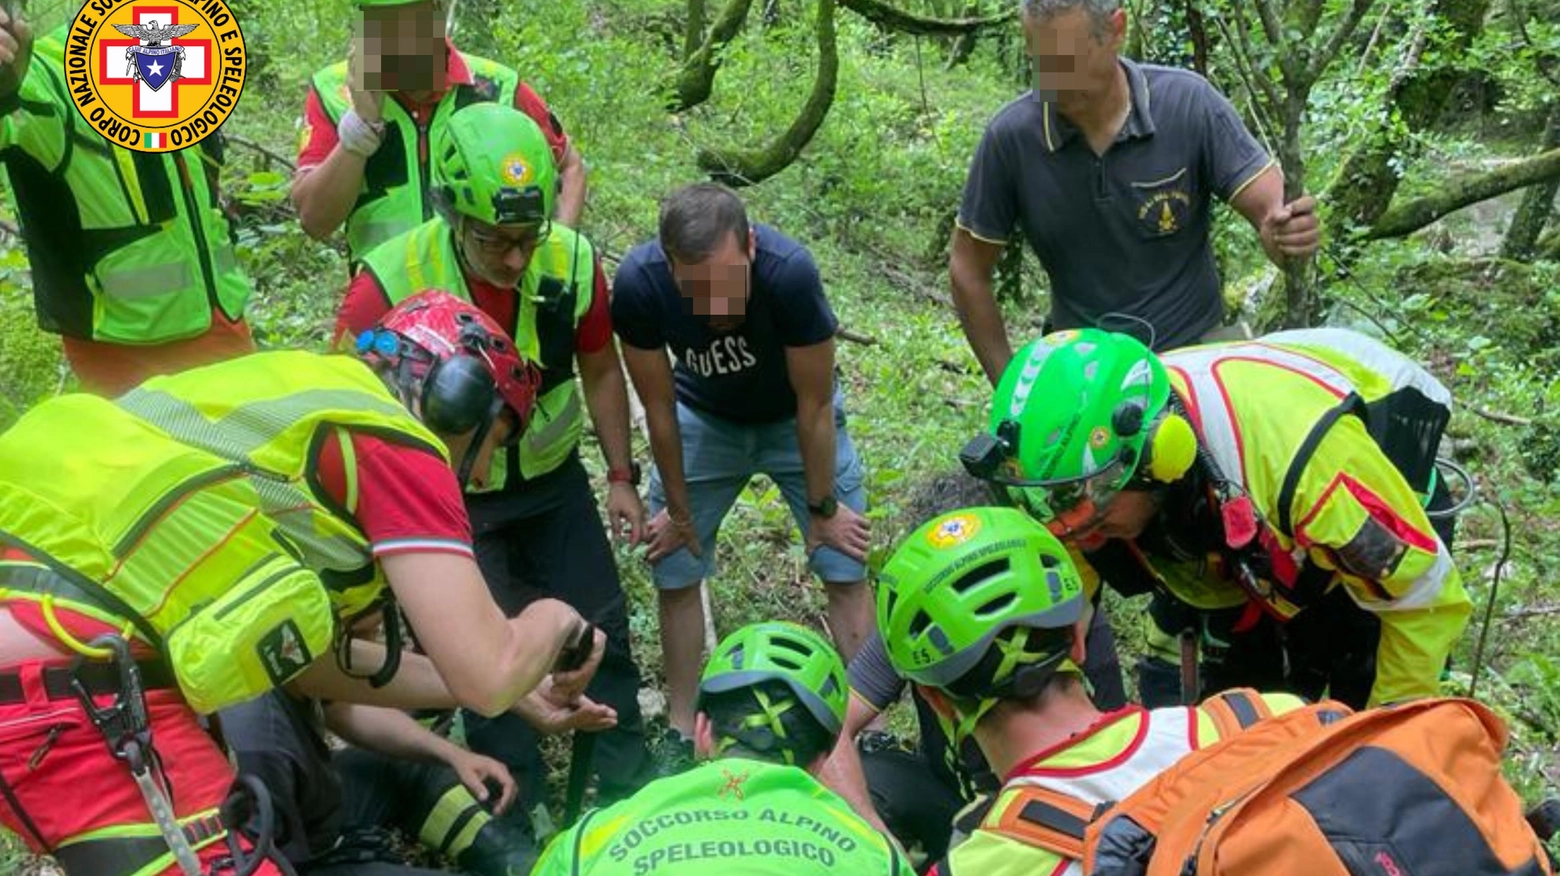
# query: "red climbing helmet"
[[454, 361]]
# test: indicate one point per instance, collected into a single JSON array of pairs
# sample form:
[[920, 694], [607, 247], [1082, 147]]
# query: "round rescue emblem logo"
[[155, 76], [515, 171], [954, 531]]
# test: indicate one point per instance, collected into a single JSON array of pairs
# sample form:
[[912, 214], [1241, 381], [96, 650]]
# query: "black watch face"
[[827, 507]]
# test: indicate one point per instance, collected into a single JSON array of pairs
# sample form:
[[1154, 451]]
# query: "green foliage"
[[30, 366], [872, 196]]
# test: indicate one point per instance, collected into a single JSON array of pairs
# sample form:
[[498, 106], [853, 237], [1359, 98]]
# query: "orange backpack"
[[1406, 790]]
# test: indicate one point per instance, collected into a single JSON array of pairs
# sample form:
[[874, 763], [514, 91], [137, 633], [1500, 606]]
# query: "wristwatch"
[[630, 475], [825, 508]]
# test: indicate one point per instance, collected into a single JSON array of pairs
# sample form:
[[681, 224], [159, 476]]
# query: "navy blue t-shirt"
[[738, 375]]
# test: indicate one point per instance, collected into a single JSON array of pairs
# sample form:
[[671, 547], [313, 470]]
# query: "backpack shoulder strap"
[[1235, 710], [1352, 403], [1045, 819]]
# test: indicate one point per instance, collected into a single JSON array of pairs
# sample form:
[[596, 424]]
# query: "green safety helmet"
[[1077, 407], [786, 652], [952, 591], [491, 162]]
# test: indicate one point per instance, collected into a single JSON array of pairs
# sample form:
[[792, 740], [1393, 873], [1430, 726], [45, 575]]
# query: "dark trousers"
[[546, 538], [378, 792]]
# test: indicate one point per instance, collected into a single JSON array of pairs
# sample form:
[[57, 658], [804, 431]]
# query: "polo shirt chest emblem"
[[1163, 206]]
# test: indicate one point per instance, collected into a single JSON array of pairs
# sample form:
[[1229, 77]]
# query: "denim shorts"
[[720, 457]]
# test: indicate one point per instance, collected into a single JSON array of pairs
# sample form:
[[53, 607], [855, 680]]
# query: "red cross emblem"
[[149, 103]]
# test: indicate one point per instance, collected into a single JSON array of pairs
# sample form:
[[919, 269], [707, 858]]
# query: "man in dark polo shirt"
[[742, 309], [1108, 168]]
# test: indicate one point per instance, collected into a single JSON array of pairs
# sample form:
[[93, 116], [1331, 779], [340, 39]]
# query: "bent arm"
[[388, 731], [488, 661], [325, 195], [415, 685], [811, 370], [606, 396], [970, 269], [1260, 198], [651, 371], [571, 188], [842, 772], [1363, 520]]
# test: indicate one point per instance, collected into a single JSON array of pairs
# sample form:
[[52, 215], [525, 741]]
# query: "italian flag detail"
[[154, 140]]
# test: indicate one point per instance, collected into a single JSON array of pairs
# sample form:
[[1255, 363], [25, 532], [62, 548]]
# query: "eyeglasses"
[[498, 246], [1064, 507]]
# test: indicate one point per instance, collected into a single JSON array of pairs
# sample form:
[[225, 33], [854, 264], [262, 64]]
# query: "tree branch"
[[1257, 84], [1404, 219], [693, 30], [1268, 13], [888, 16], [8, 228], [1334, 44], [1498, 417], [750, 167], [697, 79], [1548, 65], [247, 143], [1375, 37]]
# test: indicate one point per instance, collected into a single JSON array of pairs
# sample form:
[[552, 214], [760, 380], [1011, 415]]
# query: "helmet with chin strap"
[[453, 367]]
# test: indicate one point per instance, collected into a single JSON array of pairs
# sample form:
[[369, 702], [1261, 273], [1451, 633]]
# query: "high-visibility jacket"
[[125, 247], [553, 298], [1321, 429], [191, 505], [1104, 764], [731, 815], [394, 196]]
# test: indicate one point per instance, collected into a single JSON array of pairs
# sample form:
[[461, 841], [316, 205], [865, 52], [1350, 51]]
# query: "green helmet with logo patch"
[[976, 598], [1073, 404], [785, 652], [491, 162]]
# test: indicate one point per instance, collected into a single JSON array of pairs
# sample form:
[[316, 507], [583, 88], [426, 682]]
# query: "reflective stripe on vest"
[[268, 411], [1207, 396], [146, 282], [1394, 370], [1166, 738], [89, 489], [388, 206], [128, 262], [425, 258]]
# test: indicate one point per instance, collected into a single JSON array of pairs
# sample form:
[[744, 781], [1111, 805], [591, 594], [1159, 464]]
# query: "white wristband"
[[357, 136]]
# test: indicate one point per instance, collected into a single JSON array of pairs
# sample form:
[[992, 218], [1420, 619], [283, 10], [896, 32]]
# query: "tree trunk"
[[890, 17], [1404, 219], [1537, 205], [964, 44], [698, 74], [1300, 305], [693, 33], [1363, 189], [749, 167], [1198, 30]]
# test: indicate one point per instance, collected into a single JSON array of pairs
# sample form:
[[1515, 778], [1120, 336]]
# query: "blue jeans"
[[721, 456]]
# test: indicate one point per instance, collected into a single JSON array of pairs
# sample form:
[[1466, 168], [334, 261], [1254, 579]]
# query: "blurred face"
[[402, 47], [1073, 63], [499, 254], [717, 287]]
